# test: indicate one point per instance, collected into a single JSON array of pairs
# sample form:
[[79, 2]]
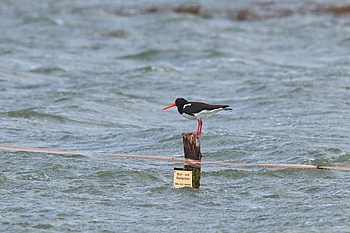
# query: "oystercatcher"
[[196, 110]]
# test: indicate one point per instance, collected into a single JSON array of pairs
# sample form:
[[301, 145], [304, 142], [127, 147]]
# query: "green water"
[[93, 76]]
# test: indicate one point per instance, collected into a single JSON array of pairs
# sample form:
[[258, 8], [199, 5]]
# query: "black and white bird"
[[196, 110]]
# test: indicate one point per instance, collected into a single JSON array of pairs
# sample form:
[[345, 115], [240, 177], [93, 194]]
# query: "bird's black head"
[[180, 102]]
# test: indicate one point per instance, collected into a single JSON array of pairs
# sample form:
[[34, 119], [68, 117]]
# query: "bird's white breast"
[[207, 113], [189, 116]]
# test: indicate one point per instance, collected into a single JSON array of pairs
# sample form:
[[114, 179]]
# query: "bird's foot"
[[197, 133]]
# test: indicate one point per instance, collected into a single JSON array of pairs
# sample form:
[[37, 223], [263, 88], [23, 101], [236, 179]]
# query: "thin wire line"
[[175, 160]]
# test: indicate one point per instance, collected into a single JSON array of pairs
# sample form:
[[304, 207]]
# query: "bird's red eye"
[[178, 101]]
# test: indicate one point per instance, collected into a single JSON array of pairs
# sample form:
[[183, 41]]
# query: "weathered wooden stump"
[[192, 151]]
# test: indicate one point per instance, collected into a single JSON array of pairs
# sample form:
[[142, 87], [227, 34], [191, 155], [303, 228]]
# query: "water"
[[93, 76]]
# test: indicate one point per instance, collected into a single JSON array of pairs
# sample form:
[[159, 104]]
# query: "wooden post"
[[192, 151]]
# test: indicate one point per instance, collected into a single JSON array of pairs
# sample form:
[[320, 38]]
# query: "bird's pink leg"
[[199, 128], [200, 124], [196, 132]]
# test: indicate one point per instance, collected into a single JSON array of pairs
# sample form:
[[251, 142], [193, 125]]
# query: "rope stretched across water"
[[175, 160]]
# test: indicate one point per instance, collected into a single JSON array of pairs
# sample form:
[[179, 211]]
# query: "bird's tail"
[[226, 107]]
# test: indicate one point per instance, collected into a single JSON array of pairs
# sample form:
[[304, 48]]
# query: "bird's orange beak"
[[169, 106]]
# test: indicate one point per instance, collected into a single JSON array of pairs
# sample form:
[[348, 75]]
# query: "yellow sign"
[[182, 178]]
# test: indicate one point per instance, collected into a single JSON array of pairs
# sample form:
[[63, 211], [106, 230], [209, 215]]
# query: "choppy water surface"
[[93, 76]]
